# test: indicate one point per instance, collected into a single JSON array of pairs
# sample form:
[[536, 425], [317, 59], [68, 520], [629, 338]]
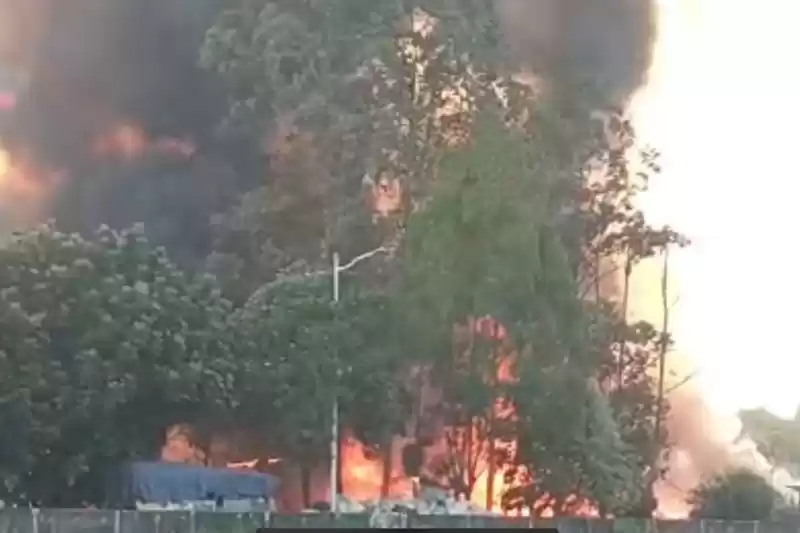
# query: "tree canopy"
[[104, 344], [393, 124], [736, 495]]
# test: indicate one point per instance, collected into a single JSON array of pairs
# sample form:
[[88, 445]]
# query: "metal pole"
[[337, 269], [335, 414]]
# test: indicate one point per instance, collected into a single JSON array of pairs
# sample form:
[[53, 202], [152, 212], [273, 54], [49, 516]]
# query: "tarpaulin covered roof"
[[153, 482]]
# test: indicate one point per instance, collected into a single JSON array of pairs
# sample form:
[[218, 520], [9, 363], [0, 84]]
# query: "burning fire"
[[244, 465], [24, 189], [678, 82], [26, 186], [708, 87], [128, 141], [17, 177], [363, 474], [180, 447]]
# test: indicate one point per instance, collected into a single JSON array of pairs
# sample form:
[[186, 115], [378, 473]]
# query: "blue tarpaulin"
[[153, 482]]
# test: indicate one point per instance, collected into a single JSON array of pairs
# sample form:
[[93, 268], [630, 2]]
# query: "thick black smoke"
[[99, 62], [603, 44], [96, 64]]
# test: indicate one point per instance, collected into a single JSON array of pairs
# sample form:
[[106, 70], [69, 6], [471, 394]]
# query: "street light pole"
[[335, 414], [336, 270]]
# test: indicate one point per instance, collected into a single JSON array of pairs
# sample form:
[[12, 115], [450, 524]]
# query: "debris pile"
[[389, 513]]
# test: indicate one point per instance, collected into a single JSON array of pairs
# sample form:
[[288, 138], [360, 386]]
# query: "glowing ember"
[[244, 465], [127, 141], [24, 189], [363, 473], [364, 479]]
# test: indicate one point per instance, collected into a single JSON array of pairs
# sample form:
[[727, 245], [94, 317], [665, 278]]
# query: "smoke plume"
[[615, 46], [117, 76], [86, 66], [606, 44], [91, 63]]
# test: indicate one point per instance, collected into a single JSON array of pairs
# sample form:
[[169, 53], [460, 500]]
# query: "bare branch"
[[682, 382]]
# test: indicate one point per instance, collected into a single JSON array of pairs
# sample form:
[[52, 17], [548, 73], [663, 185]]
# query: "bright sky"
[[723, 107]]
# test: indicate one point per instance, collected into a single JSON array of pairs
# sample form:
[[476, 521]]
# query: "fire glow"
[[128, 141], [24, 186]]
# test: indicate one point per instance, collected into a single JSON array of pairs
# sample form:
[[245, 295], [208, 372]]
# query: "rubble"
[[239, 506], [431, 501]]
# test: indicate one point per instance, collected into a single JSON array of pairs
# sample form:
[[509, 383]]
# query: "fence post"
[[117, 521], [35, 519], [755, 526], [191, 520]]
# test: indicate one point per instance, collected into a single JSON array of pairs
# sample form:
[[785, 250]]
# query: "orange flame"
[[128, 141], [244, 465], [24, 189], [363, 472]]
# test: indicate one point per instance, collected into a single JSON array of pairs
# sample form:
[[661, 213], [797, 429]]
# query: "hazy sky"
[[723, 106]]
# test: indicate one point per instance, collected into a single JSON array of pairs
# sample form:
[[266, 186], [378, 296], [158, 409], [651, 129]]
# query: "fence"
[[99, 521]]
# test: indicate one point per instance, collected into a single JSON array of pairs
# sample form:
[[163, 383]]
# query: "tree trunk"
[[305, 485], [664, 346], [597, 292], [623, 349], [491, 472], [387, 469], [470, 468], [339, 464], [662, 365]]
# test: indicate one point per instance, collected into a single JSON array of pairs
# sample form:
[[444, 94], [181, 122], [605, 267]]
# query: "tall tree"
[[615, 237], [493, 216], [320, 351], [346, 101], [777, 438], [486, 245], [735, 495], [104, 343]]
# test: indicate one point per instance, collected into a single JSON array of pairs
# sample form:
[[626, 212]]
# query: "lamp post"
[[338, 269]]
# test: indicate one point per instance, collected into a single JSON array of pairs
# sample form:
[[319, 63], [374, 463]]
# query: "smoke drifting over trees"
[[93, 65], [96, 61], [605, 44], [90, 66]]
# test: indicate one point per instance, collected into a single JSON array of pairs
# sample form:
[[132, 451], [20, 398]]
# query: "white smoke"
[[721, 105]]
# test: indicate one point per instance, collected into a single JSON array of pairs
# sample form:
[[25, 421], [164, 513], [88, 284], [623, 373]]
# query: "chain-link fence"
[[94, 521]]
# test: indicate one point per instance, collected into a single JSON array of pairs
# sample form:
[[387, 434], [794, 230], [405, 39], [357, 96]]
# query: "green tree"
[[343, 96], [613, 237], [570, 451], [289, 67], [497, 215], [777, 439], [318, 350], [104, 344], [487, 245], [361, 98], [736, 495]]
